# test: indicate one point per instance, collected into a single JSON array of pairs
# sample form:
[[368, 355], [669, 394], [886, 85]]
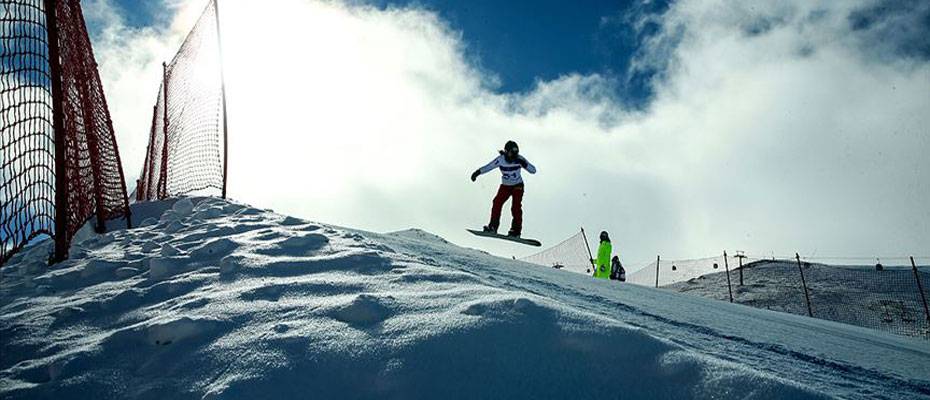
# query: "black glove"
[[474, 175], [521, 161]]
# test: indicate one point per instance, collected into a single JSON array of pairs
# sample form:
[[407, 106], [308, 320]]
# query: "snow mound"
[[419, 234], [176, 330], [214, 299], [363, 310]]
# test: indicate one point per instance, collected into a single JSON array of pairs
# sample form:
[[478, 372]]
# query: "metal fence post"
[[726, 266], [920, 289], [740, 256], [807, 298], [657, 271]]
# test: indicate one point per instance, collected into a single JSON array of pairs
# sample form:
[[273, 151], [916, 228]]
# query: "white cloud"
[[772, 129]]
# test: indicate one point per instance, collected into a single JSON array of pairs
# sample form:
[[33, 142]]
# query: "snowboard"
[[531, 242]]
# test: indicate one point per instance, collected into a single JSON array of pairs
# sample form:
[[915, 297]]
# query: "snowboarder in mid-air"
[[510, 162], [602, 264]]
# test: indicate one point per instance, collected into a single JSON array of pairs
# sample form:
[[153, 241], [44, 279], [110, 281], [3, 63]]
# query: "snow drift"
[[212, 299]]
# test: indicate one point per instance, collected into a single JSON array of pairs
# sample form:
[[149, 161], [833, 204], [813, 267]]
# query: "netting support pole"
[[162, 187], [726, 266], [657, 271], [587, 247], [219, 46], [920, 289], [58, 124], [807, 298]]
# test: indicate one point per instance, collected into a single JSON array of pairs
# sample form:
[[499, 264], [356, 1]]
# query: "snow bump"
[[363, 310], [173, 331]]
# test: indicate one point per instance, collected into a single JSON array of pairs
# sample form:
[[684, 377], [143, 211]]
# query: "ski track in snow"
[[212, 299]]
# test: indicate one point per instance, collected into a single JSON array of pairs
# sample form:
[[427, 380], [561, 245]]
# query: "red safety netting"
[[60, 163], [187, 143]]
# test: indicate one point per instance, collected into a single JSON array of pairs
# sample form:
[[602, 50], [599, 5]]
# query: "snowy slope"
[[212, 299], [858, 295]]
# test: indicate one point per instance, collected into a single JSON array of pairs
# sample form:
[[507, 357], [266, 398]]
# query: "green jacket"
[[602, 265]]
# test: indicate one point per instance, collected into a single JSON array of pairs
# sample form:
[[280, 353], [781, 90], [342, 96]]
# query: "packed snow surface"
[[211, 299]]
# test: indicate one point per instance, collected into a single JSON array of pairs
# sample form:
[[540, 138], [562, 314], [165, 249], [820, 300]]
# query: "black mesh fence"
[[187, 143], [60, 163]]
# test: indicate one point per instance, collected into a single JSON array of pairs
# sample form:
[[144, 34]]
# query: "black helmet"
[[511, 147], [604, 236]]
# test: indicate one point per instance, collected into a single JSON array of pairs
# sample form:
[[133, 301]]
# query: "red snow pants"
[[516, 207]]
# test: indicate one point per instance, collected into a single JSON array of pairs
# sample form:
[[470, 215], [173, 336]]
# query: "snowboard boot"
[[490, 229], [513, 233]]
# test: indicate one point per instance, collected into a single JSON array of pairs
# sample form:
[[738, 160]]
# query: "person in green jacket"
[[602, 264]]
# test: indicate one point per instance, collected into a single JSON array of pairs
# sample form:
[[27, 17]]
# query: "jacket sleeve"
[[529, 167], [491, 165]]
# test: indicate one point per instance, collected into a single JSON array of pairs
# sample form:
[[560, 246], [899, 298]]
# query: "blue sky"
[[141, 13], [523, 42]]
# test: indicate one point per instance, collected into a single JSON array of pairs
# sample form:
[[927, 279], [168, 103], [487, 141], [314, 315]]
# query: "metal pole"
[[920, 289], [740, 257], [587, 246], [726, 266], [657, 270], [219, 42], [58, 125], [810, 312]]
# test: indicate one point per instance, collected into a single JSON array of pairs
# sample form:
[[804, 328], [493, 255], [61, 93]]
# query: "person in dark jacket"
[[617, 272]]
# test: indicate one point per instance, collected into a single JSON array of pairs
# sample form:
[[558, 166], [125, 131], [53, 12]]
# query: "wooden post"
[[657, 271], [920, 289], [810, 311], [726, 265]]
